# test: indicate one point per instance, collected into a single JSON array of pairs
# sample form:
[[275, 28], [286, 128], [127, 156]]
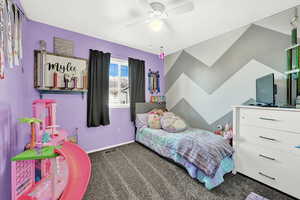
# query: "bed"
[[170, 145]]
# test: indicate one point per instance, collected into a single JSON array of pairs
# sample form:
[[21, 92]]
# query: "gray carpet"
[[132, 172]]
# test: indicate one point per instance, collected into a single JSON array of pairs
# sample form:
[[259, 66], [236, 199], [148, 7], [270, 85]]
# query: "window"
[[118, 83]]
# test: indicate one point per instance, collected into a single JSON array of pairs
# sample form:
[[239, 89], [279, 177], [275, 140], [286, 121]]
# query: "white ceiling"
[[279, 22], [107, 19]]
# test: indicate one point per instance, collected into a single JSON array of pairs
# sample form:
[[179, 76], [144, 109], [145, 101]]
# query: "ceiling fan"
[[160, 10]]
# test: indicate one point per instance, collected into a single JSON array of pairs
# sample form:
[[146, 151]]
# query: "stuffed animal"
[[154, 121], [228, 133]]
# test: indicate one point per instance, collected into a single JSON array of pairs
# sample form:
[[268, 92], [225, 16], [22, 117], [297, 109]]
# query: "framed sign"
[[60, 73], [63, 47]]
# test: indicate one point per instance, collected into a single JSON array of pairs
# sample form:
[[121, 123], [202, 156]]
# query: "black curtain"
[[98, 90], [136, 84]]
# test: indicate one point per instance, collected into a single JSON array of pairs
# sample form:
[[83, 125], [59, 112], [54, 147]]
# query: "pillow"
[[172, 123], [154, 121], [141, 121], [157, 111], [168, 114]]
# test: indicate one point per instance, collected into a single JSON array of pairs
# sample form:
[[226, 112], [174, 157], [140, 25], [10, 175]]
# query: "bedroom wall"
[[13, 136], [71, 110], [17, 94], [205, 80]]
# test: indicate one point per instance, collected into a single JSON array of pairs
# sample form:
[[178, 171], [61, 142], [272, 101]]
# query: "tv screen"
[[265, 90]]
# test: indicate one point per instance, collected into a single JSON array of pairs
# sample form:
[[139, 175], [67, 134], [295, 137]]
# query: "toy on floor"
[[254, 196], [42, 172]]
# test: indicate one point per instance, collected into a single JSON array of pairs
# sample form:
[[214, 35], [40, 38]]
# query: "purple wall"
[[10, 109], [17, 94], [72, 108], [12, 139]]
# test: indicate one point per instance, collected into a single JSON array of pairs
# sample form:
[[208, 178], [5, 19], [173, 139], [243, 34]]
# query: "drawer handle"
[[267, 138], [268, 119], [269, 177], [267, 157]]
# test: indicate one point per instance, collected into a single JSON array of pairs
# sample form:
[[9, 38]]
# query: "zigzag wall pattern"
[[234, 91], [208, 92], [261, 44]]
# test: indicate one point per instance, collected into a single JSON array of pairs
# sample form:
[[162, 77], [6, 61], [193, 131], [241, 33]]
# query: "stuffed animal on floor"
[[254, 196]]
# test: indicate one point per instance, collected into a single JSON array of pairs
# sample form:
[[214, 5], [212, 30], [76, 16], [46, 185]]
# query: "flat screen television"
[[265, 90]]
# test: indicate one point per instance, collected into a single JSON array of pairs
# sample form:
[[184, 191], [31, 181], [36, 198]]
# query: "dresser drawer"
[[273, 168], [270, 138], [274, 119]]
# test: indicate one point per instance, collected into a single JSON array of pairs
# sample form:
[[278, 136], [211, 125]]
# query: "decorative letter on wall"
[[60, 73]]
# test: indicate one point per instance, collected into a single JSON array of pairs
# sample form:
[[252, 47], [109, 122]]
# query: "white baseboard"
[[109, 147]]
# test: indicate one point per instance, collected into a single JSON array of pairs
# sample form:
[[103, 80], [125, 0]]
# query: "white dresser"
[[265, 141]]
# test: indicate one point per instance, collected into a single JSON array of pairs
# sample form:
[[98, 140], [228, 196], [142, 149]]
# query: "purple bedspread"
[[205, 150]]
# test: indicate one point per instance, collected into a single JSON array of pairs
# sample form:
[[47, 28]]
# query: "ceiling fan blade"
[[175, 2], [184, 8], [163, 16], [168, 26], [144, 3], [142, 20]]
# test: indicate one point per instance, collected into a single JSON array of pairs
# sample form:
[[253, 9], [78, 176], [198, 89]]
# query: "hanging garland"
[[2, 32], [10, 36]]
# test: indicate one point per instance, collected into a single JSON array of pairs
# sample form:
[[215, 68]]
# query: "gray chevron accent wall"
[[261, 44], [195, 120], [201, 86]]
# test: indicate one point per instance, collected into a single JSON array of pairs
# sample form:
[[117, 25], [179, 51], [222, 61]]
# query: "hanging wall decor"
[[60, 73], [63, 47], [157, 99], [162, 54], [153, 82], [293, 64], [10, 35]]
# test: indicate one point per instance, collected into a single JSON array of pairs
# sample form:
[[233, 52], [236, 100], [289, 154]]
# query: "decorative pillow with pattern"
[[141, 121], [154, 121], [172, 123], [157, 111], [168, 114]]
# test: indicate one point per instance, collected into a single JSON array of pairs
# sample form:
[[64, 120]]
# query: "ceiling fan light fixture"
[[158, 7], [157, 12], [156, 25]]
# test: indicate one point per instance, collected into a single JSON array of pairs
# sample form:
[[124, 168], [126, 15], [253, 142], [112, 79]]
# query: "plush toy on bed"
[[154, 118], [161, 119], [158, 111], [172, 123], [154, 121]]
